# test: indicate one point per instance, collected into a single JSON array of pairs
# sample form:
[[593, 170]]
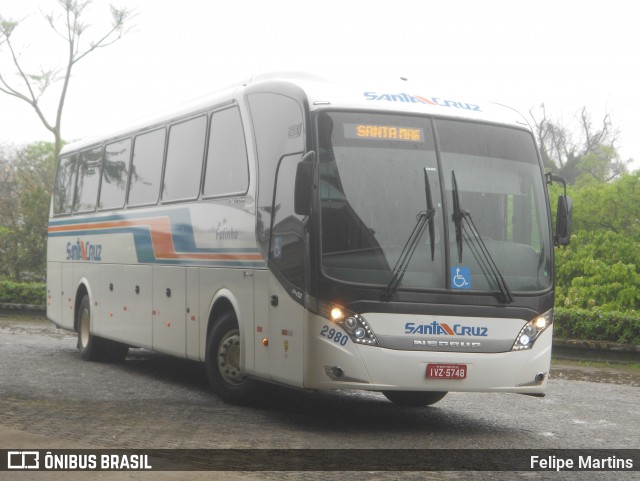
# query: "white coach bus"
[[295, 231]]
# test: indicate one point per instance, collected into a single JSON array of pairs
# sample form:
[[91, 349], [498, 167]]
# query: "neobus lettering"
[[457, 344]]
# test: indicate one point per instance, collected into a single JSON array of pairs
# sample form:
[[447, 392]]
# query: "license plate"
[[446, 371]]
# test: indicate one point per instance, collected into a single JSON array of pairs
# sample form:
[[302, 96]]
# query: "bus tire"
[[93, 348], [414, 398], [222, 361]]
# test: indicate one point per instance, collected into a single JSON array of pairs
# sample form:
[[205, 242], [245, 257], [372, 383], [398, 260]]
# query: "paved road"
[[49, 398]]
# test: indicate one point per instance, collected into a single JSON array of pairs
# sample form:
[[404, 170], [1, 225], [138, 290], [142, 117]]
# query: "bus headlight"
[[353, 324], [336, 314], [532, 330]]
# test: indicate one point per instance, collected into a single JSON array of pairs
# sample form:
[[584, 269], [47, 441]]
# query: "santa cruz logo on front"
[[440, 328], [417, 99]]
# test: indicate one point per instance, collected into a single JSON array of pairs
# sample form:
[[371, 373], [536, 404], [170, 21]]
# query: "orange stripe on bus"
[[161, 238]]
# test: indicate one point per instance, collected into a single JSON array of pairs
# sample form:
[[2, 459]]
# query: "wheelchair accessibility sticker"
[[460, 278]]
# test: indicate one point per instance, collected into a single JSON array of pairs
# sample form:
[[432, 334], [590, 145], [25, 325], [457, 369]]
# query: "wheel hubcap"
[[229, 358], [84, 328]]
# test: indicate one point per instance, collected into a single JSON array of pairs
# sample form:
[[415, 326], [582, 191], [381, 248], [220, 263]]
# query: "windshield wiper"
[[465, 228], [424, 218]]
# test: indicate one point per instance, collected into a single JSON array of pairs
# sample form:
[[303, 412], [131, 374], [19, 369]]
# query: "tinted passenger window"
[[184, 160], [227, 168], [88, 180], [63, 188], [148, 153], [115, 172]]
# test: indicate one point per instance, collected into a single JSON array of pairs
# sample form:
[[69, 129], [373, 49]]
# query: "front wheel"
[[92, 347], [222, 363], [414, 398]]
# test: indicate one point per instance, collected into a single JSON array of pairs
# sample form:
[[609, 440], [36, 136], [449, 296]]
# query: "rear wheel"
[[94, 348], [414, 398], [222, 363]]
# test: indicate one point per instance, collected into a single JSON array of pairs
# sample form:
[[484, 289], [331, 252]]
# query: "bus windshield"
[[372, 192]]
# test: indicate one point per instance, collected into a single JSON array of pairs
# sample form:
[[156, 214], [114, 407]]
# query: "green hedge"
[[34, 293], [597, 324]]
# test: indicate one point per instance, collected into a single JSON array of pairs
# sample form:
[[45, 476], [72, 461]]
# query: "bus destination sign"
[[383, 132]]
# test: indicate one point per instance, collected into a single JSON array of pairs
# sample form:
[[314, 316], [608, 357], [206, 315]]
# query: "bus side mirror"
[[303, 185], [564, 212], [563, 220]]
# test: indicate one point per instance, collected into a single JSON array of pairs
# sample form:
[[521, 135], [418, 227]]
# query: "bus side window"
[[88, 180], [63, 189], [115, 173], [146, 168], [227, 171], [184, 160]]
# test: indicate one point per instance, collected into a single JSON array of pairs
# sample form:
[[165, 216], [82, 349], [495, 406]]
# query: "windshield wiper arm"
[[424, 218], [457, 215], [432, 210], [465, 227]]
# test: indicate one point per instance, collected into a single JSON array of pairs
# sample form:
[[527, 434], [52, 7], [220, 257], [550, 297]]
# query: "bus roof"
[[396, 96]]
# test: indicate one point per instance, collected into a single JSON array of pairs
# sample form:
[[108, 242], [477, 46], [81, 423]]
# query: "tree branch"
[[69, 27], [31, 98], [119, 17]]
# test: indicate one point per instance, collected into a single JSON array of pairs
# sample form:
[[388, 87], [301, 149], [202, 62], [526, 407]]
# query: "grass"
[[22, 316], [630, 366]]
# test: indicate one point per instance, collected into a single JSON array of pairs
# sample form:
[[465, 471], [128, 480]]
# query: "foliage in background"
[[599, 269], [588, 151], [33, 293], [611, 206], [598, 274], [601, 266], [597, 324], [26, 177]]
